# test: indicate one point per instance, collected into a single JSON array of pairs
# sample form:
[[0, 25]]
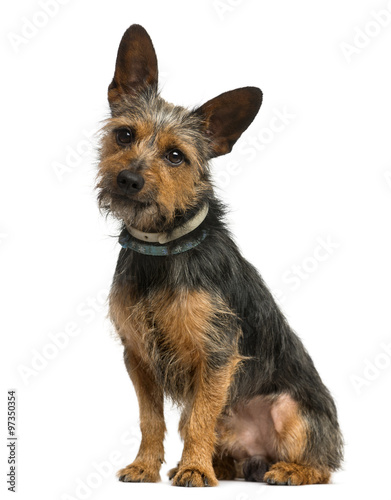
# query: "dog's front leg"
[[150, 456], [198, 426]]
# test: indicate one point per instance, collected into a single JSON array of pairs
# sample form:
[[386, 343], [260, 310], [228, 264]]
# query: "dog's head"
[[154, 155]]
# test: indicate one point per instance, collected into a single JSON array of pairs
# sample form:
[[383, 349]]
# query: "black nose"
[[129, 182]]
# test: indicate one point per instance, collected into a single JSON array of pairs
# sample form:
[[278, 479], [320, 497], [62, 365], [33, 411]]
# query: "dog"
[[197, 323]]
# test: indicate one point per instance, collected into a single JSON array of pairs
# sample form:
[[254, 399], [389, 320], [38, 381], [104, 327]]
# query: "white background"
[[324, 173]]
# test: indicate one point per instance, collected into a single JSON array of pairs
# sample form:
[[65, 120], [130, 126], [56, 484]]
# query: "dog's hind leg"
[[274, 440], [300, 461], [255, 468]]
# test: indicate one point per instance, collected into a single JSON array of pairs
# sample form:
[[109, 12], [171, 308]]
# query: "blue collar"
[[128, 241]]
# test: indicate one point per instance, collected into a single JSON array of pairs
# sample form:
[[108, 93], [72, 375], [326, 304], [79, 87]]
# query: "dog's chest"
[[169, 330]]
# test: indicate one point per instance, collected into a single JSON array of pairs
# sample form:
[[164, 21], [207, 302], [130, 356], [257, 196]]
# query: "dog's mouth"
[[122, 197], [110, 199], [113, 196], [138, 210]]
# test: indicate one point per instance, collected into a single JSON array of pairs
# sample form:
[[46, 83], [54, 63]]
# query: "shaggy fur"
[[201, 327]]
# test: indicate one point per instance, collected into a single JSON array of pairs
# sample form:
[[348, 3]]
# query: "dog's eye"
[[175, 157], [124, 136]]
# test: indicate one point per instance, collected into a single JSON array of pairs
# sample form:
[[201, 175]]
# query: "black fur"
[[278, 362], [254, 469], [274, 359]]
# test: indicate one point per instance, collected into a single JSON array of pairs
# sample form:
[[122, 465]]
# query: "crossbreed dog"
[[197, 323]]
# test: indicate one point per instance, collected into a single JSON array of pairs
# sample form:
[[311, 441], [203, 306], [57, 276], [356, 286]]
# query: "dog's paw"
[[139, 472], [284, 473], [193, 476], [254, 469]]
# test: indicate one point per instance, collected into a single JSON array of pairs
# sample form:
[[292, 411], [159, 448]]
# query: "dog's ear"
[[136, 65], [228, 115]]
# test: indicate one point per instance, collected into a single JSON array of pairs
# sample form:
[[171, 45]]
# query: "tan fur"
[[296, 474], [271, 427], [182, 322], [181, 338], [168, 189], [290, 427], [199, 427], [147, 464], [291, 434], [182, 317], [224, 467]]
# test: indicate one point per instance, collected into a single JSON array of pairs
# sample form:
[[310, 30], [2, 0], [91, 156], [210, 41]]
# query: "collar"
[[136, 240], [126, 240], [178, 232]]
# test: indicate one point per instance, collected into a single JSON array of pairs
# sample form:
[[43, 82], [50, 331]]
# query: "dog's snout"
[[130, 182]]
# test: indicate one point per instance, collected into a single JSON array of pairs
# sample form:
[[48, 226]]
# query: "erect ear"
[[228, 115], [136, 65]]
